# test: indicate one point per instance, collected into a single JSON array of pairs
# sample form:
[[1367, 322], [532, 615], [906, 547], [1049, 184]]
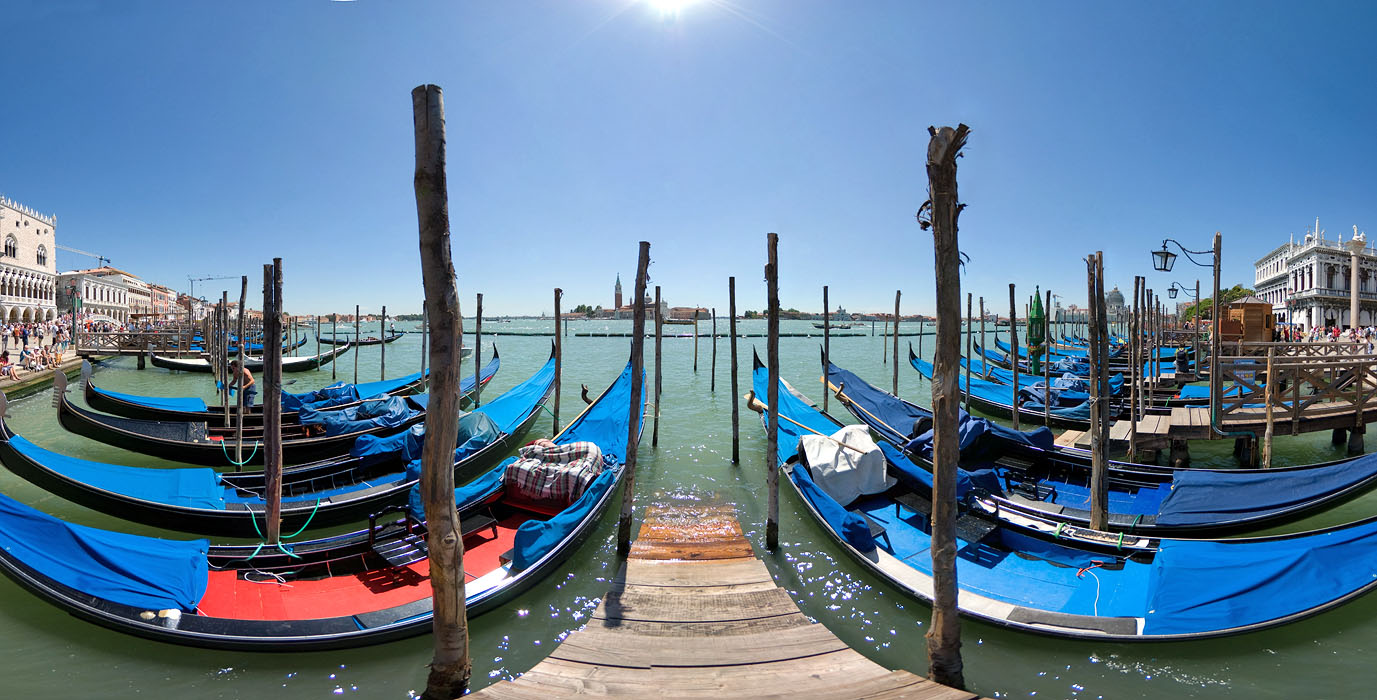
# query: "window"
[[11, 247], [42, 255]]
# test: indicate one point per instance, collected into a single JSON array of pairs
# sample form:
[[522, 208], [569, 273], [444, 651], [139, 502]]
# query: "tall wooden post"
[[695, 339], [944, 636], [984, 364], [478, 352], [1271, 394], [1047, 361], [450, 667], [772, 362], [1013, 350], [241, 313], [1099, 493], [659, 336], [1133, 372], [222, 357], [382, 346], [712, 383], [895, 347], [425, 347], [559, 358], [884, 344], [968, 350], [826, 345], [334, 333], [637, 389], [736, 410], [272, 398], [356, 343], [241, 407]]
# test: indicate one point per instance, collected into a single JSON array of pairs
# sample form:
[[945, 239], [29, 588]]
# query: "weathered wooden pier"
[[693, 613]]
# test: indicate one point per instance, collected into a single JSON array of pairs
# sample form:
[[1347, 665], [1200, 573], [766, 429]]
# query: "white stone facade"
[[1308, 283], [28, 268], [103, 296]]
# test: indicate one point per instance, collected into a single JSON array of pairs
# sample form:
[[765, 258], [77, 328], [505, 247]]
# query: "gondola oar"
[[759, 406]]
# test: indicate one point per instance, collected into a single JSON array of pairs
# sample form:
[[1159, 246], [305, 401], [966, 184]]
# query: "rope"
[[1080, 573], [1056, 534], [225, 449], [1120, 544], [317, 507]]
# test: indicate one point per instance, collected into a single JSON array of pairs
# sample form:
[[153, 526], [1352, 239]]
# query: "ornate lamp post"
[[1162, 261]]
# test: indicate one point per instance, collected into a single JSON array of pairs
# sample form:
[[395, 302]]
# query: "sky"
[[205, 138]]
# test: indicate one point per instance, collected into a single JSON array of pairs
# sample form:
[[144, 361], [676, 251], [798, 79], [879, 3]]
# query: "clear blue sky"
[[207, 137]]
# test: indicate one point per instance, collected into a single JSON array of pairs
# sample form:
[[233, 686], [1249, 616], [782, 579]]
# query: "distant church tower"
[[618, 304]]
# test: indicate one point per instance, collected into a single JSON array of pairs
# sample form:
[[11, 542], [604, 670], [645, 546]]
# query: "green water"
[[49, 654]]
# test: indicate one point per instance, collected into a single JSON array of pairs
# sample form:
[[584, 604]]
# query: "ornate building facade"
[[28, 266], [1309, 283]]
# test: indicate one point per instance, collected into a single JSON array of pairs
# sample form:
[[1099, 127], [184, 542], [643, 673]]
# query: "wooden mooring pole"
[[222, 356], [272, 398], [659, 336], [1046, 362], [637, 391], [334, 333], [559, 359], [984, 364], [772, 363], [356, 343], [1099, 493], [1013, 350], [382, 346], [944, 636], [695, 339], [736, 409], [1270, 391], [968, 350], [425, 332], [826, 346], [895, 347], [241, 406], [478, 352], [450, 666], [712, 383]]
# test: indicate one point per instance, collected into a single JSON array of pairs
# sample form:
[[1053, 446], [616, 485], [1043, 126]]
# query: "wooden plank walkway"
[[694, 613]]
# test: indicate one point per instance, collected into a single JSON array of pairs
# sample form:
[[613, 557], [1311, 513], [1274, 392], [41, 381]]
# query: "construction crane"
[[101, 260], [194, 280]]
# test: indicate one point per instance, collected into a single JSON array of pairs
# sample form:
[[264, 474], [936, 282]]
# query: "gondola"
[[366, 340], [254, 364], [251, 347], [188, 408], [329, 492], [998, 399], [1030, 474], [364, 587], [833, 326], [1027, 574], [317, 434]]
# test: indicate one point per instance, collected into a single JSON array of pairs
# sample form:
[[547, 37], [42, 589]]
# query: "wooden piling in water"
[[736, 408], [1013, 350], [334, 333], [317, 340], [1047, 362], [239, 412], [222, 356], [826, 345], [382, 346], [659, 336], [356, 343], [968, 349], [884, 343], [637, 389], [944, 637], [450, 665], [1099, 491], [478, 352], [772, 362], [272, 398], [984, 364], [712, 383], [895, 347], [425, 332], [695, 339], [1134, 373], [1271, 394], [559, 359]]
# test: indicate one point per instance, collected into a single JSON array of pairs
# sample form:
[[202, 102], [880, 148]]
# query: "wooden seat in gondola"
[[876, 529], [410, 546]]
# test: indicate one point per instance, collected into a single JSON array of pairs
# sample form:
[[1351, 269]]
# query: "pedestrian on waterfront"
[[24, 336], [7, 369], [243, 378]]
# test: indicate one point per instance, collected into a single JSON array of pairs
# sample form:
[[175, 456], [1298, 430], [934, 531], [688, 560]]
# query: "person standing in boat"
[[242, 378]]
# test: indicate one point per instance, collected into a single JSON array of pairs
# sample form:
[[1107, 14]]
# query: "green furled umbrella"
[[1036, 318]]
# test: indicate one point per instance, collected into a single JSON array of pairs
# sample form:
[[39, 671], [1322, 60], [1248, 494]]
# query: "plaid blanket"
[[554, 474]]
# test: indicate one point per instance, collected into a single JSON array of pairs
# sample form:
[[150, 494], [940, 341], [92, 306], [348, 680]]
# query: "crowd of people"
[[33, 347], [1362, 338]]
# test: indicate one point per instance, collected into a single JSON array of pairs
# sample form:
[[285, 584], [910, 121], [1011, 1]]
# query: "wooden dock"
[[694, 613]]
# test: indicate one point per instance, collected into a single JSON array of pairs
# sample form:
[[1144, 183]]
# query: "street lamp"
[[1177, 287], [1162, 261]]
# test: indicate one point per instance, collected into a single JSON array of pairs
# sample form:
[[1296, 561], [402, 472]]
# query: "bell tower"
[[618, 303]]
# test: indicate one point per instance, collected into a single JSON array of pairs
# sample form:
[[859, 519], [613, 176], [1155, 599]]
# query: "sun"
[[670, 9]]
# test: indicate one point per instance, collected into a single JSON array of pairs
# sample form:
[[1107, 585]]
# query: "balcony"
[[1332, 293]]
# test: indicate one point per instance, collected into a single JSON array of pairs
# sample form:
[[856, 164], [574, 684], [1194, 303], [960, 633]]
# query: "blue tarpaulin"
[[187, 487], [391, 412], [143, 572], [1200, 497], [166, 403], [852, 527]]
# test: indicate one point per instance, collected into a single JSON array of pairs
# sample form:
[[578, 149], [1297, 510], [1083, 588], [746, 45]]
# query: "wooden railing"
[[131, 342]]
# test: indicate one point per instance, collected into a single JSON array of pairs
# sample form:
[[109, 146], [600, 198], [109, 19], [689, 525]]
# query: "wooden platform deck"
[[695, 614]]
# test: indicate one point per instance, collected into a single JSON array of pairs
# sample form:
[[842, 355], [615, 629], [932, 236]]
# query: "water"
[[50, 654]]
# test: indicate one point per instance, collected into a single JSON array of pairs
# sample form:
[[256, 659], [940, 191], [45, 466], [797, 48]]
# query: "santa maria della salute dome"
[[1114, 304]]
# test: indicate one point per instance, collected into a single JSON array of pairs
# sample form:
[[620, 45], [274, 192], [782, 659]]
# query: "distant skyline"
[[204, 139]]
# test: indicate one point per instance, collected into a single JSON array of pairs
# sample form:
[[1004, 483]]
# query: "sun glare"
[[670, 9]]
